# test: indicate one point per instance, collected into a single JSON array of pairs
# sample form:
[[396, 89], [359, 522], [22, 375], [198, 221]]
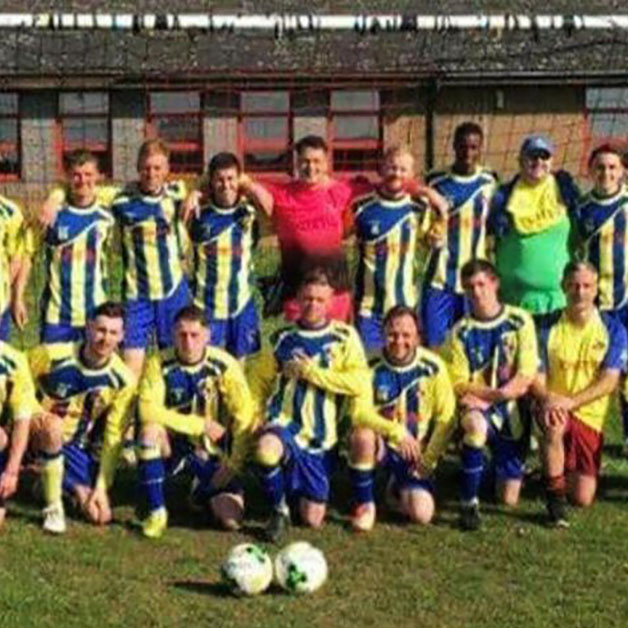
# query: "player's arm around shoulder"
[[261, 372]]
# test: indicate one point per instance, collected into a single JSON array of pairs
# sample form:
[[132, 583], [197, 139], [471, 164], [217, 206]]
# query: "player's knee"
[[312, 513], [4, 439], [228, 509], [418, 506], [473, 424], [269, 450], [362, 444], [151, 435], [508, 493], [50, 434], [583, 493]]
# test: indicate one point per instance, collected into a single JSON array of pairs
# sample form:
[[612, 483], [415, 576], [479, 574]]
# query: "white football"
[[247, 570], [300, 568]]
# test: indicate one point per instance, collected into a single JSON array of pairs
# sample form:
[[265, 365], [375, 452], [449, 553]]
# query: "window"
[[607, 117], [84, 122], [265, 131], [9, 137], [355, 130], [175, 117]]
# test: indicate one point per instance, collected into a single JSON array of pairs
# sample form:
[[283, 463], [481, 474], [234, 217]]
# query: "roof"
[[125, 57]]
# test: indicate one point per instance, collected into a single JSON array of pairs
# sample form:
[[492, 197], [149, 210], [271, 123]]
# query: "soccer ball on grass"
[[247, 570], [300, 568]]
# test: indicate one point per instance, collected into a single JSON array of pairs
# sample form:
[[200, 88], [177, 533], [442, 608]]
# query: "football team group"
[[492, 314]]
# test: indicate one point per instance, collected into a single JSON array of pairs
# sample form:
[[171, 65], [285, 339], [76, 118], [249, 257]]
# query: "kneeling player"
[[411, 388], [17, 404], [301, 381], [583, 352], [197, 415], [85, 391], [493, 362]]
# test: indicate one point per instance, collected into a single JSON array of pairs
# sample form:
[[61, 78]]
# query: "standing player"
[[197, 415], [74, 248], [17, 405], [154, 287], [583, 352], [493, 361], [223, 236], [299, 384], [469, 188], [411, 388], [601, 220], [388, 224], [85, 391], [11, 296]]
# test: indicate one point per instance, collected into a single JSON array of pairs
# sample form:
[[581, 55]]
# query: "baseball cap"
[[537, 144]]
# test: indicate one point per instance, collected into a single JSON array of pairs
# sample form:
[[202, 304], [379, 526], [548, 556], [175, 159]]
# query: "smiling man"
[[85, 391]]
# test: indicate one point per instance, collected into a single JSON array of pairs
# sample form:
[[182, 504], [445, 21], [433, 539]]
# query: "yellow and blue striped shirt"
[[222, 243], [309, 407], [74, 263], [602, 226], [387, 231], [151, 241], [17, 391], [11, 220], [469, 199]]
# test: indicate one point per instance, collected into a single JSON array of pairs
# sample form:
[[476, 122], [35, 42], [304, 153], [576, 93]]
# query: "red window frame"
[[67, 114], [186, 154], [250, 146], [355, 155], [10, 144]]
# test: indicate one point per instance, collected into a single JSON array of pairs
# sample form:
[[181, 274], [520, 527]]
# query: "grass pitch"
[[513, 572]]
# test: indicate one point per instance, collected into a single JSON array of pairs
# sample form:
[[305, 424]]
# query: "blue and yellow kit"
[[601, 226], [11, 223], [469, 199], [222, 241], [74, 262], [388, 232], [573, 356], [93, 404], [17, 392], [491, 353], [180, 397], [309, 407], [151, 235]]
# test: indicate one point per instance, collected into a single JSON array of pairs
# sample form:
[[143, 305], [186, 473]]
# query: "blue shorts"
[[5, 325], [371, 330], [50, 333], [403, 475], [142, 317], [185, 460], [80, 467], [306, 474], [440, 311], [508, 455], [239, 335]]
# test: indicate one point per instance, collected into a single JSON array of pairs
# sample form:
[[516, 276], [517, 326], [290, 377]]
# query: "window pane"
[[609, 124], [8, 104], [356, 160], [9, 161], [266, 128], [84, 102], [183, 161], [356, 128], [253, 102], [8, 131], [607, 98], [178, 129], [85, 131], [175, 102], [268, 161], [349, 100]]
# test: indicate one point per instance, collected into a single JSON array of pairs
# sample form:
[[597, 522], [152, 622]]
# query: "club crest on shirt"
[[63, 233], [382, 394]]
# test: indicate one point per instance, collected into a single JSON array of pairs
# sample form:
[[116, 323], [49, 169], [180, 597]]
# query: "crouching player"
[[17, 404], [493, 361], [197, 415], [411, 388], [299, 384], [85, 391], [583, 353]]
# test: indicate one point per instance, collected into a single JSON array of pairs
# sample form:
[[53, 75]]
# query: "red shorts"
[[583, 448], [341, 308]]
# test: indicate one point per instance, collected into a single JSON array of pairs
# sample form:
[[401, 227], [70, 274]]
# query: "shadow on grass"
[[202, 587]]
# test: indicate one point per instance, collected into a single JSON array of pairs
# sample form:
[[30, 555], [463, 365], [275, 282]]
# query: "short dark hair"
[[315, 276], [110, 309], [80, 157], [399, 311], [476, 266], [191, 313], [467, 128], [571, 268], [223, 161], [311, 141], [605, 149]]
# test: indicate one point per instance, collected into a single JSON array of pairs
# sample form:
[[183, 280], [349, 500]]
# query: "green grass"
[[513, 572]]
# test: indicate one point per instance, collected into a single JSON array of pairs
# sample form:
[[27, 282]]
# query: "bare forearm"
[[605, 384]]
